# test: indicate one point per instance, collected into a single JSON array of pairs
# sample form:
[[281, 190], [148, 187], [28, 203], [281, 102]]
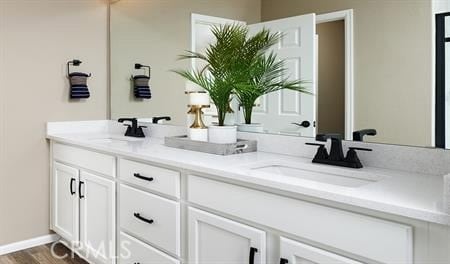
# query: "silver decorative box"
[[183, 142]]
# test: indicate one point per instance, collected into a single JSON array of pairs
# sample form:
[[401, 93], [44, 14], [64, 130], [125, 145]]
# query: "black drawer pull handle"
[[72, 181], [284, 261], [139, 176], [143, 219], [79, 189], [252, 255]]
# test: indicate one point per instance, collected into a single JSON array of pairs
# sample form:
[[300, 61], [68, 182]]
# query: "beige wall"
[[155, 33], [331, 81], [37, 38], [392, 63]]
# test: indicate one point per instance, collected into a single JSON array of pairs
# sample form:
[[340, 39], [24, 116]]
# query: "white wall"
[[37, 38]]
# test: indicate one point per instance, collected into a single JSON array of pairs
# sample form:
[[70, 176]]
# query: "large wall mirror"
[[377, 65]]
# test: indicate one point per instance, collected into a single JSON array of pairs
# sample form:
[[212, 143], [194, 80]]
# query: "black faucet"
[[359, 134], [156, 119], [133, 130], [336, 156]]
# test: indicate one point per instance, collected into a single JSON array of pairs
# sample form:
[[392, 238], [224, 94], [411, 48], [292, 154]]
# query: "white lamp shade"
[[192, 87], [199, 99]]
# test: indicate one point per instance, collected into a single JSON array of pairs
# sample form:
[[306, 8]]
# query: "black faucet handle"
[[156, 119], [321, 154], [133, 121], [362, 149], [314, 144], [359, 134]]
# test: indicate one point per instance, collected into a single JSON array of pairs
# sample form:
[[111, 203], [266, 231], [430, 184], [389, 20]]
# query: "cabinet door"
[[65, 202], [293, 252], [214, 239], [97, 217]]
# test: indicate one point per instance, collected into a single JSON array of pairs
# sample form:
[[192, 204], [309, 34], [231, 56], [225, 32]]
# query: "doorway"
[[331, 77]]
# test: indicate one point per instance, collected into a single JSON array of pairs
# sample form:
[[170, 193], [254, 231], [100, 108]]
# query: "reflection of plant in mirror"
[[217, 77], [262, 73], [238, 63]]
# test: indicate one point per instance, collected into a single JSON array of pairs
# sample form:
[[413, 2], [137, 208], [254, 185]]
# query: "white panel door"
[[277, 111], [65, 202], [97, 217], [293, 252], [217, 240]]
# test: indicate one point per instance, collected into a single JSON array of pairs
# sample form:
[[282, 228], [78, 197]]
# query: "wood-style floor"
[[42, 255]]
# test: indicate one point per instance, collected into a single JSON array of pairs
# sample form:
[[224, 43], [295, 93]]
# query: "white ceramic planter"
[[222, 134], [255, 127], [198, 134]]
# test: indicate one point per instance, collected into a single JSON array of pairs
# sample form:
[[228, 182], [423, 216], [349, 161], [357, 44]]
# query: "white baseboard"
[[25, 244]]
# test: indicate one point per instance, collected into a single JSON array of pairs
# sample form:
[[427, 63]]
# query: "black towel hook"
[[139, 66], [74, 62]]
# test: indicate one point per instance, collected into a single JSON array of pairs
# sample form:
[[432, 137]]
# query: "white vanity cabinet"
[[149, 213], [174, 215], [83, 210], [97, 217], [214, 239], [65, 202], [294, 252]]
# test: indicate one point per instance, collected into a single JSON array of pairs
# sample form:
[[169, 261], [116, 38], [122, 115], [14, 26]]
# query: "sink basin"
[[319, 173], [114, 140]]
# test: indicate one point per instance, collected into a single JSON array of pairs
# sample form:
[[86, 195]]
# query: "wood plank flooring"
[[42, 255]]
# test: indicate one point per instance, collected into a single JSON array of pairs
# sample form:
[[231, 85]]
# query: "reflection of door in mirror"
[[279, 110]]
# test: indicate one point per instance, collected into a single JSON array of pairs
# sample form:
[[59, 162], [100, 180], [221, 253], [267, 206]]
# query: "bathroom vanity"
[[118, 199]]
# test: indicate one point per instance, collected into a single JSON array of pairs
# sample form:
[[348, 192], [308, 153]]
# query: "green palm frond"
[[240, 64]]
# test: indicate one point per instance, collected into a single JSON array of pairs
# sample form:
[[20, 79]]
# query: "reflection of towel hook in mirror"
[[74, 62], [139, 66]]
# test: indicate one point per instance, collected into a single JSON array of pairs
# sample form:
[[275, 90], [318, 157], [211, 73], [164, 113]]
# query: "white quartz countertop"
[[417, 196]]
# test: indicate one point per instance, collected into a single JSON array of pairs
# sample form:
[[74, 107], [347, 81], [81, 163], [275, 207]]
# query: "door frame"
[[440, 94], [347, 16]]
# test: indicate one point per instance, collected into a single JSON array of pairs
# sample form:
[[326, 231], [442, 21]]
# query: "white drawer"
[[150, 177], [134, 251], [83, 158], [369, 237], [151, 218]]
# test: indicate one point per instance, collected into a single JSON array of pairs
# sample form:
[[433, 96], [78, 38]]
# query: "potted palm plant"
[[217, 76], [260, 73]]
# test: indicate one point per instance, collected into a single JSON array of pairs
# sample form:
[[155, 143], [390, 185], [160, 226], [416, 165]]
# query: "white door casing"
[[214, 239], [277, 111], [65, 202], [298, 253], [97, 217], [447, 84]]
